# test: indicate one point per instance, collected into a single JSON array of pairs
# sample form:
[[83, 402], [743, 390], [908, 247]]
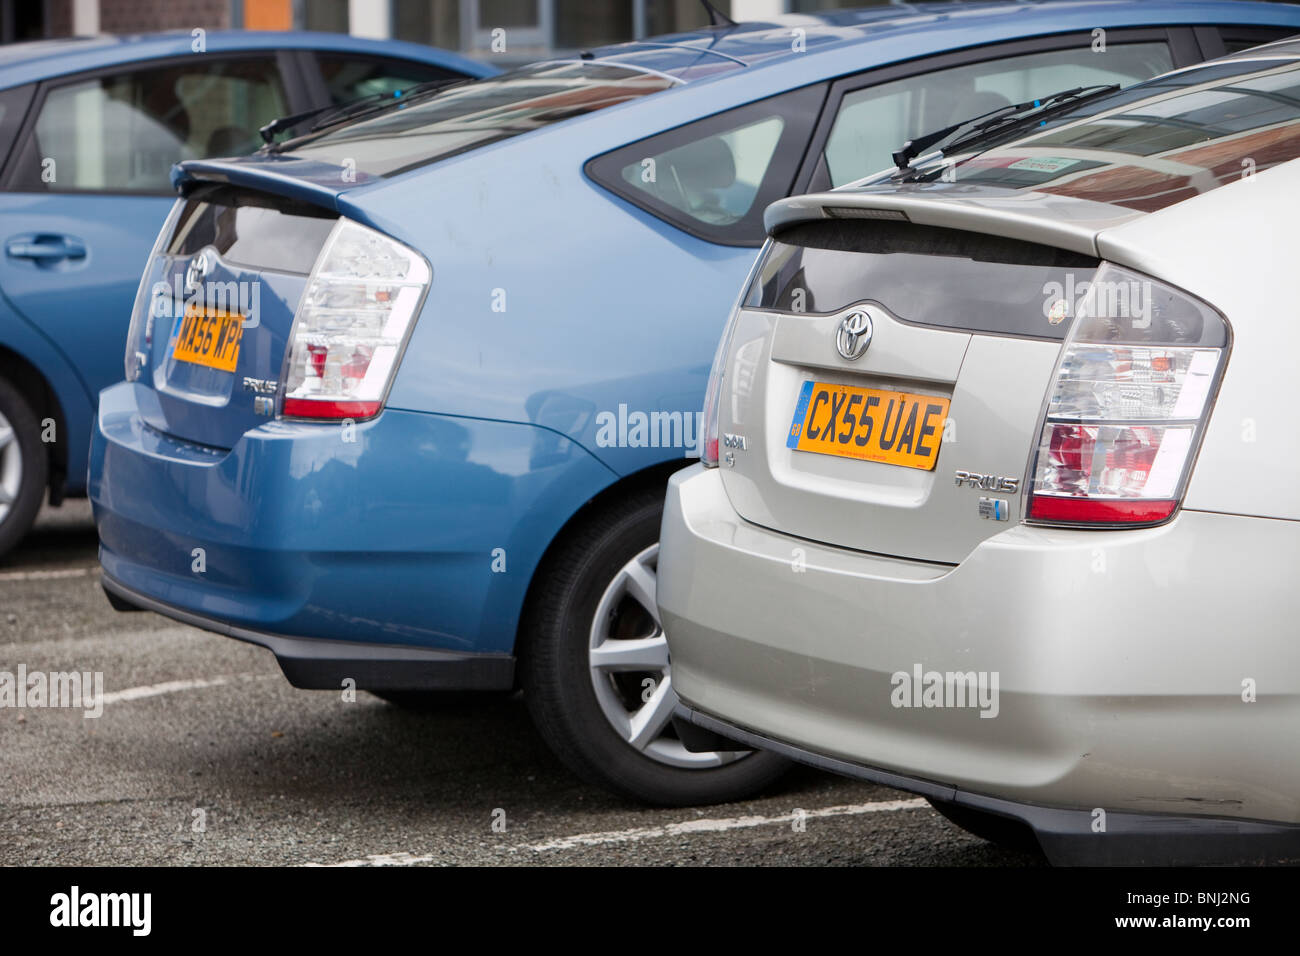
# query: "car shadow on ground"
[[464, 755], [62, 537]]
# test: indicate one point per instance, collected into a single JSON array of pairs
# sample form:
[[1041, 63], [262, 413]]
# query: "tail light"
[[712, 396], [147, 308], [352, 324], [717, 374], [1130, 398]]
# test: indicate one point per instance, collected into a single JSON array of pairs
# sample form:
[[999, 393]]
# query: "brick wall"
[[58, 18], [145, 16]]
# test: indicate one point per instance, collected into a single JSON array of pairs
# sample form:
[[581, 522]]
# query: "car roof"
[[707, 52], [35, 60], [760, 57]]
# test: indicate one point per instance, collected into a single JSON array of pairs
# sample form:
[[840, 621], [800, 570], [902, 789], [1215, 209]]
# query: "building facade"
[[510, 30]]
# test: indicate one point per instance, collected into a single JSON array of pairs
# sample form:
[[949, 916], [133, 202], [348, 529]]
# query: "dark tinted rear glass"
[[929, 276], [249, 229], [476, 114]]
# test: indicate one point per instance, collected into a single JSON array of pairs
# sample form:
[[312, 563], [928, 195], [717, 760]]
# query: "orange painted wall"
[[268, 14]]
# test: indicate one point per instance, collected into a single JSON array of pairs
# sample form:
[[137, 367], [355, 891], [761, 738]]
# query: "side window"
[[1236, 39], [124, 132], [349, 78], [873, 122], [13, 105], [713, 178]]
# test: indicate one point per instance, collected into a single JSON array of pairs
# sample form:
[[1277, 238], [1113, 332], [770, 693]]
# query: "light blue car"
[[89, 131], [401, 397]]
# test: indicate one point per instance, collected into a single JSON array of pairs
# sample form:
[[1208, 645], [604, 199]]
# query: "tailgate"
[[221, 295], [886, 380]]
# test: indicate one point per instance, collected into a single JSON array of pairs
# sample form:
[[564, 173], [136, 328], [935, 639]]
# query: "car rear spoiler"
[[1044, 218], [304, 180]]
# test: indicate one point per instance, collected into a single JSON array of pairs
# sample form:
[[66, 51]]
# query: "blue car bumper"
[[397, 552]]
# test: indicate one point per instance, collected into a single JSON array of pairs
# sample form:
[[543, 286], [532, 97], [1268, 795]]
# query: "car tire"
[[1002, 831], [24, 467], [585, 598]]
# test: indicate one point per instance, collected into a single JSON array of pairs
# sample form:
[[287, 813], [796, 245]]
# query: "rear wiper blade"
[[398, 97], [1002, 118], [279, 125], [1061, 102], [333, 113]]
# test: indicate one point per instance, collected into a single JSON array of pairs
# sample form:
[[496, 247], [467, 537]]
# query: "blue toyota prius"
[[402, 395], [89, 131]]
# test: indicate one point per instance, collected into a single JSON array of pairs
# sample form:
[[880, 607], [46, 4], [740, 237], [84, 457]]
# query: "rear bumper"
[[314, 664], [1065, 835], [411, 530], [1119, 657]]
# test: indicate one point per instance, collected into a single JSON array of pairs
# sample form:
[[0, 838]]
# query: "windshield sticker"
[[1044, 164]]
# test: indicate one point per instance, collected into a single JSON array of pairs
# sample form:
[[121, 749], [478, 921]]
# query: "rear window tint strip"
[[946, 278]]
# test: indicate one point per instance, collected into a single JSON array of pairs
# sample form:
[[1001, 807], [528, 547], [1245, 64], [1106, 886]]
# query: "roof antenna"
[[716, 17]]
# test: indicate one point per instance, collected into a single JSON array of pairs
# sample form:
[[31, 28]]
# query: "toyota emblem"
[[853, 335], [197, 270]]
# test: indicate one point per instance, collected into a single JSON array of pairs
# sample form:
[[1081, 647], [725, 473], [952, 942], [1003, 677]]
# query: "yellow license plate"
[[871, 424], [209, 337]]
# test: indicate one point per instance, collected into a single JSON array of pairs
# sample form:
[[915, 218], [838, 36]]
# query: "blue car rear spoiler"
[[320, 184]]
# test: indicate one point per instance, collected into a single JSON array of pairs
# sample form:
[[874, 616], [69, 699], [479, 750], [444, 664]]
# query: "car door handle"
[[45, 248]]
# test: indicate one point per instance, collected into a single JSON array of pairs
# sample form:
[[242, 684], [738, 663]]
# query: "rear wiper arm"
[[362, 108], [1048, 107], [277, 126], [338, 112], [1004, 117]]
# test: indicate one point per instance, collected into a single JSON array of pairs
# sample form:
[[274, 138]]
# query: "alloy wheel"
[[11, 466], [628, 660]]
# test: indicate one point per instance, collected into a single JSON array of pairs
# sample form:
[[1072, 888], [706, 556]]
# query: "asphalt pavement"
[[205, 755]]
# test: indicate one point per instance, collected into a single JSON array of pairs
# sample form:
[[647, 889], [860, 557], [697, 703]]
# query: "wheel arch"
[[651, 477]]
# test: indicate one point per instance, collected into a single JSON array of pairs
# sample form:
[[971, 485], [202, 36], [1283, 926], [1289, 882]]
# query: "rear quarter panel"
[[553, 301]]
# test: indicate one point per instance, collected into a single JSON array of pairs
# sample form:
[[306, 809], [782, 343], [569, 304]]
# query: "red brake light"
[[315, 408], [1083, 510]]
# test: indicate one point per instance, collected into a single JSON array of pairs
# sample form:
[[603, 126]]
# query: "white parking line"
[[48, 575], [707, 825], [718, 825], [172, 686]]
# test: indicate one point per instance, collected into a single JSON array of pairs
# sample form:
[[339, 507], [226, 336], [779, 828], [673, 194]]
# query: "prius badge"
[[994, 509], [854, 335]]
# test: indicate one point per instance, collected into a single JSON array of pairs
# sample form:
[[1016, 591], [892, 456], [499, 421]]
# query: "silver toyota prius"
[[1000, 498]]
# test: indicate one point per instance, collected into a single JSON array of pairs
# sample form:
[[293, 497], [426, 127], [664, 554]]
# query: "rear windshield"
[[476, 114], [251, 229], [925, 275], [1175, 137]]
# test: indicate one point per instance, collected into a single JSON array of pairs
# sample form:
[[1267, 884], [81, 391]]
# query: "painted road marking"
[[48, 575], [173, 686], [708, 825], [718, 825]]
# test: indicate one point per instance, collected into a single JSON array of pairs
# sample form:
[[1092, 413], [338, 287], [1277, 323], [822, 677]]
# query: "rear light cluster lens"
[[1129, 401], [139, 334], [709, 442], [352, 323], [717, 374]]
